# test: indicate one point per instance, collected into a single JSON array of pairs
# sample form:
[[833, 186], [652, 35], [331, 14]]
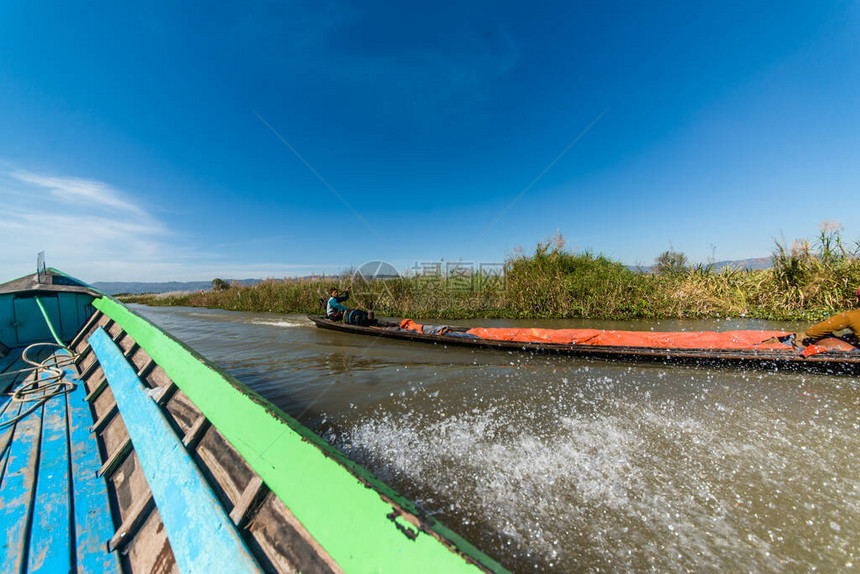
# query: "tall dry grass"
[[807, 281]]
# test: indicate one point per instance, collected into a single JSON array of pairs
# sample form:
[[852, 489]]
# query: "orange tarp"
[[410, 325], [828, 344], [654, 339]]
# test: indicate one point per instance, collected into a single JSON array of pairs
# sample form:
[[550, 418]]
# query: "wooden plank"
[[195, 433], [5, 401], [93, 523], [100, 424], [85, 329], [146, 369], [201, 534], [50, 536], [166, 393], [115, 459], [294, 549], [133, 521], [79, 358], [252, 493], [131, 350], [16, 493], [89, 370], [9, 380], [7, 433], [6, 381], [8, 408], [149, 549], [97, 390]]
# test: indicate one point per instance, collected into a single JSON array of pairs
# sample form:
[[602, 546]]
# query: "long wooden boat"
[[121, 449], [831, 361]]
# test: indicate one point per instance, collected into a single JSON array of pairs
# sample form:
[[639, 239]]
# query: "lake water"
[[561, 464]]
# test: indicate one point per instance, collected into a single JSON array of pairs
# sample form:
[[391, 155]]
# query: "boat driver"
[[845, 320], [334, 309]]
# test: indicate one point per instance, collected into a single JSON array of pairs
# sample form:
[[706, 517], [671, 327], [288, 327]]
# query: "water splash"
[[593, 472], [286, 323]]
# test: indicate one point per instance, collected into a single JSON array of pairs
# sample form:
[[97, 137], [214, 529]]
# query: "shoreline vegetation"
[[807, 282]]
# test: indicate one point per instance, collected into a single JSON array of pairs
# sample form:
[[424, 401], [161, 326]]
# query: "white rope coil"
[[47, 381]]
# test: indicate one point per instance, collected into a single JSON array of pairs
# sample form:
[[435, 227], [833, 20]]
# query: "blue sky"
[[180, 141]]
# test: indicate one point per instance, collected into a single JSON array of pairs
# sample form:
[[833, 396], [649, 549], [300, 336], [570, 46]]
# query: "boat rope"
[[47, 377], [47, 381]]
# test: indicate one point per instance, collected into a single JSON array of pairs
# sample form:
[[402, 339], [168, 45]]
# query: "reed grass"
[[808, 281]]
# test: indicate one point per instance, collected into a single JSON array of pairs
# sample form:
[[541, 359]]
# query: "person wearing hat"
[[844, 320]]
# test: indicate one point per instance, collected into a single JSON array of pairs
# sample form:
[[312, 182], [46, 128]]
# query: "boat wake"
[[573, 481], [285, 323]]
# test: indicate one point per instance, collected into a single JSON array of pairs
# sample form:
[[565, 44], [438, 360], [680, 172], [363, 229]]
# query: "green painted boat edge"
[[341, 504]]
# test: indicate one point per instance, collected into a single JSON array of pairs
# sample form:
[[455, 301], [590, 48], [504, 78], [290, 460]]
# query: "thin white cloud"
[[76, 189], [96, 232], [85, 226]]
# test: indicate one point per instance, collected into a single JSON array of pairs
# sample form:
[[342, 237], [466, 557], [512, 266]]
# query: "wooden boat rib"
[[150, 459], [833, 362]]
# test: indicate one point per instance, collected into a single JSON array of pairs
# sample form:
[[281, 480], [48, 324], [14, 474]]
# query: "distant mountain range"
[[754, 264], [136, 288]]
